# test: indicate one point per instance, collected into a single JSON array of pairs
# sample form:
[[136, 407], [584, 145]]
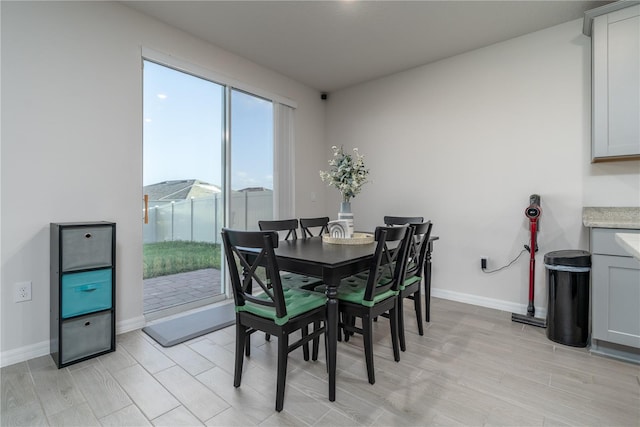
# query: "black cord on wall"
[[509, 264]]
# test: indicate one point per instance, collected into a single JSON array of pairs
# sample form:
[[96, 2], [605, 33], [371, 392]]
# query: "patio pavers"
[[168, 291]]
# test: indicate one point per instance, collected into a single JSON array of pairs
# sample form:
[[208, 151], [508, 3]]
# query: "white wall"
[[465, 142], [72, 143]]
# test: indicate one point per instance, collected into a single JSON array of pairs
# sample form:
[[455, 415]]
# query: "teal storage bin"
[[86, 292]]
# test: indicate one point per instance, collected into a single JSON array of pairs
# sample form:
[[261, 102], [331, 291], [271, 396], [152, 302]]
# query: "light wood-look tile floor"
[[473, 366]]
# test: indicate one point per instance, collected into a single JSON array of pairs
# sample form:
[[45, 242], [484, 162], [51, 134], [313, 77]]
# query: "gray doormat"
[[181, 329]]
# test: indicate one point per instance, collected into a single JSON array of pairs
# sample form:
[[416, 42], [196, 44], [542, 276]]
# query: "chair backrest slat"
[[401, 220], [308, 223], [289, 225], [417, 252]]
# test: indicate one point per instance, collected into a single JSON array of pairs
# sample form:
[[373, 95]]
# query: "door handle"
[[146, 209]]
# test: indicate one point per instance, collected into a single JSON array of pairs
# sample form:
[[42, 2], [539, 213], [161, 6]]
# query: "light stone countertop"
[[611, 217]]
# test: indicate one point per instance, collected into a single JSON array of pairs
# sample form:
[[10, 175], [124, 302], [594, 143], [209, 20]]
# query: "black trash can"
[[568, 274]]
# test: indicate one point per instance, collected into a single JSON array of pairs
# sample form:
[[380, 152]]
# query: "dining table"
[[333, 262]]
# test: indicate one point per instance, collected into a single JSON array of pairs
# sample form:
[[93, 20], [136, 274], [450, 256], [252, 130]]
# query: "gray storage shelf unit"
[[83, 291]]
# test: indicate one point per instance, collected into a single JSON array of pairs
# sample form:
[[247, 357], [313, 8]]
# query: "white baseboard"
[[32, 351], [21, 354], [130, 325], [497, 304]]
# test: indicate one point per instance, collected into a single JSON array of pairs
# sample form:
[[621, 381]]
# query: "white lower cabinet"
[[615, 279]]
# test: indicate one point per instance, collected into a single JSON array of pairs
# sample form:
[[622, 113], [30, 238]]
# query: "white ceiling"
[[330, 45]]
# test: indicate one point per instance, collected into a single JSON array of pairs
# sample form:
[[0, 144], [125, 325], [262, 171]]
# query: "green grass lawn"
[[164, 258]]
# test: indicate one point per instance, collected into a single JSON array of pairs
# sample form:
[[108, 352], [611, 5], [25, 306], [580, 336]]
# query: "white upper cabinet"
[[616, 85]]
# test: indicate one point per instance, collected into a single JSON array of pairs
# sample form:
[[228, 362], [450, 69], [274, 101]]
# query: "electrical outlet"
[[483, 262], [22, 292]]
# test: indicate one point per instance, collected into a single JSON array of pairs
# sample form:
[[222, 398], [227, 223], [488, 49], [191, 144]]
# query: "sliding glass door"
[[251, 169], [207, 154]]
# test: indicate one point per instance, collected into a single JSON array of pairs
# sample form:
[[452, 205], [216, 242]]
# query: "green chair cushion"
[[296, 281], [363, 275], [297, 302], [352, 290], [409, 281]]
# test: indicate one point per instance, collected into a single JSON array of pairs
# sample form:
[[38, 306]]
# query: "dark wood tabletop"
[[329, 261]]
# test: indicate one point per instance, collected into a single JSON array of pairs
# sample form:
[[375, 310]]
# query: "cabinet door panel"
[[616, 299], [624, 86], [616, 84]]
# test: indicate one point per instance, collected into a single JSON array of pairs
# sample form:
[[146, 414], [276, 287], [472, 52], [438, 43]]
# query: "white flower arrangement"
[[347, 173]]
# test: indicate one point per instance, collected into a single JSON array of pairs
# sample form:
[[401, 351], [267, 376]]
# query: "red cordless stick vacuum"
[[533, 213]]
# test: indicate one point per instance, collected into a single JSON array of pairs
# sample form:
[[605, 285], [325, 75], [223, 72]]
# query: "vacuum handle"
[[534, 200], [533, 211]]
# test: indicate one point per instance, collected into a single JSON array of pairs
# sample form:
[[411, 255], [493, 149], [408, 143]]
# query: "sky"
[[183, 126]]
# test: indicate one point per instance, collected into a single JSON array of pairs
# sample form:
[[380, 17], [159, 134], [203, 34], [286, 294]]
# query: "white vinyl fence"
[[201, 219]]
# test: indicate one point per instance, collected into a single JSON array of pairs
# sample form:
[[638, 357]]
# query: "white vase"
[[346, 214]]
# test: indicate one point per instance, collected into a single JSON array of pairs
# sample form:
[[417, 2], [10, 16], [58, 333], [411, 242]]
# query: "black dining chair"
[[367, 298], [396, 220], [414, 270], [268, 307], [288, 228], [308, 225]]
